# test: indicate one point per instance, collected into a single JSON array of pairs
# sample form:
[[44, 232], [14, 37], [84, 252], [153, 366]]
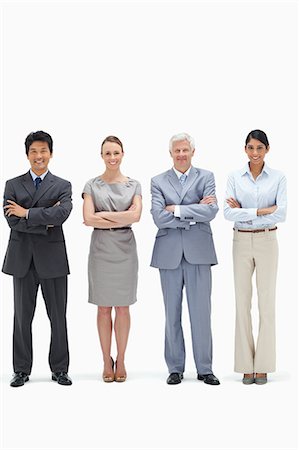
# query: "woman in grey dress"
[[112, 202]]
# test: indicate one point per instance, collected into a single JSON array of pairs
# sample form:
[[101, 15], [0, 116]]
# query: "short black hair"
[[259, 135], [38, 136]]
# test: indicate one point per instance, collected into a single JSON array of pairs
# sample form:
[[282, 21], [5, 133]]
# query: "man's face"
[[181, 154], [39, 156]]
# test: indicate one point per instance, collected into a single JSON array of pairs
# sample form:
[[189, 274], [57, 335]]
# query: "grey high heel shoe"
[[248, 380]]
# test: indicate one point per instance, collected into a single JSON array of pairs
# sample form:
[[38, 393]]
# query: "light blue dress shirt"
[[34, 176], [268, 189]]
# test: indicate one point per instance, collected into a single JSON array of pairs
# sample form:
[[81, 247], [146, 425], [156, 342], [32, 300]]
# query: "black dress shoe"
[[61, 378], [19, 379], [174, 378], [208, 379]]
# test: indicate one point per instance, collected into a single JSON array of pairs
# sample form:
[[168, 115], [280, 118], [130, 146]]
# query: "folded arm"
[[15, 214], [54, 215], [162, 217], [232, 207], [94, 219], [206, 209], [129, 216], [268, 215]]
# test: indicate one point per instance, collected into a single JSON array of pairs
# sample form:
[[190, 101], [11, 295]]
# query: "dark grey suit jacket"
[[176, 237], [40, 237]]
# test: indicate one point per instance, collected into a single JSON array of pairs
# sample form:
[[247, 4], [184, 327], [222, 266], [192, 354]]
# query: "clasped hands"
[[207, 200]]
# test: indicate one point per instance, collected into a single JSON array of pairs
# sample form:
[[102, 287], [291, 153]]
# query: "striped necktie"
[[37, 182], [183, 178]]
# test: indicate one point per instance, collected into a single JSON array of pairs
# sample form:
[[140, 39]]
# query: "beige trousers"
[[255, 252]]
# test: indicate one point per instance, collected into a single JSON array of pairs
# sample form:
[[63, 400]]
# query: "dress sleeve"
[[138, 188], [87, 188]]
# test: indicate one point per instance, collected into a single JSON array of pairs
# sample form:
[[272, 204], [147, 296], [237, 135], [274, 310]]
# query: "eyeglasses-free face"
[[112, 155], [181, 154], [256, 151]]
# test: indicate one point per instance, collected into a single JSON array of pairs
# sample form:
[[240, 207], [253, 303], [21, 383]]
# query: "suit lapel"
[[174, 181], [43, 188], [190, 180], [28, 184]]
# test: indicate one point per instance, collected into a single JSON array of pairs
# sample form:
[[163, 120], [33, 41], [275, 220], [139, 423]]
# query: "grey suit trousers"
[[197, 281]]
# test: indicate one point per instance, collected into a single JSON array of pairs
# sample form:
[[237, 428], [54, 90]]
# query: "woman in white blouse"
[[255, 202]]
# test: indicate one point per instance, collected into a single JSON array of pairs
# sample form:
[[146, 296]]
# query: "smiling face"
[[39, 156], [256, 152], [112, 155], [181, 154]]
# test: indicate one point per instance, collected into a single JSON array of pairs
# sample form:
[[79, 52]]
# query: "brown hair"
[[112, 139]]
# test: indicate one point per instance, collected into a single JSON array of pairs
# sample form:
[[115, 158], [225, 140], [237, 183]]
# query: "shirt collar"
[[34, 176], [179, 174], [246, 169]]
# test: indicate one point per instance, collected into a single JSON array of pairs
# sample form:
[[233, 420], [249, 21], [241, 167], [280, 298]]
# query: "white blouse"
[[268, 189]]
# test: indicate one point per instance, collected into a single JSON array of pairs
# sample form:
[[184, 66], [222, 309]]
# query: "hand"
[[272, 209], [170, 208], [264, 211], [13, 209], [208, 200], [233, 203], [132, 207]]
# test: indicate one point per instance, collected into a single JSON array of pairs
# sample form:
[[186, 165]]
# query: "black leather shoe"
[[61, 378], [174, 378], [19, 379], [208, 379]]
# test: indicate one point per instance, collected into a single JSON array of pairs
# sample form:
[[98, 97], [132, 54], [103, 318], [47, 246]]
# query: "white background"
[[144, 71]]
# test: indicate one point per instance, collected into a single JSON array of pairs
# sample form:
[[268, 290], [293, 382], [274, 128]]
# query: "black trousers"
[[54, 292]]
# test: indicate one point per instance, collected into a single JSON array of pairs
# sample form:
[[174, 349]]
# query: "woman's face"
[[256, 151], [112, 155]]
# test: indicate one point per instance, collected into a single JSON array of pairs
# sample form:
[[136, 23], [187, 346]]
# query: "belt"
[[256, 231], [113, 229]]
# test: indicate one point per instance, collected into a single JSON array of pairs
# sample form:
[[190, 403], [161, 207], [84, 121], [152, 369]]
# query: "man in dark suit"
[[36, 204]]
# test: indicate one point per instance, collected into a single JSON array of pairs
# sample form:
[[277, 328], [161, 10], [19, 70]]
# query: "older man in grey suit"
[[36, 204], [183, 204]]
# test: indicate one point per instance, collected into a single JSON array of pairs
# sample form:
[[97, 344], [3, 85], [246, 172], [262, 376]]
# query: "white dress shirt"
[[177, 211], [268, 189]]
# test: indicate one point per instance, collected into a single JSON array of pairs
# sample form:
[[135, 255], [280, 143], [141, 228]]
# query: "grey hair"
[[182, 137]]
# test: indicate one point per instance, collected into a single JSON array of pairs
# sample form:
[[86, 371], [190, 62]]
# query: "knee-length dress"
[[112, 260]]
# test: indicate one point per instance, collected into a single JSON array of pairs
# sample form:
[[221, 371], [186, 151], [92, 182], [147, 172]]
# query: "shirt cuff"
[[177, 212], [27, 213]]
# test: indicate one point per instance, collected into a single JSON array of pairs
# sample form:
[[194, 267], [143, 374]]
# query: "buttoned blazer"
[[40, 237], [176, 237]]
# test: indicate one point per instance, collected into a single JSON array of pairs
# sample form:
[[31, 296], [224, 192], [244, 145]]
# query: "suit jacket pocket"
[[205, 227], [161, 232], [55, 234]]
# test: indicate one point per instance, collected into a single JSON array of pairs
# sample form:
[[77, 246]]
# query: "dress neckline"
[[117, 182]]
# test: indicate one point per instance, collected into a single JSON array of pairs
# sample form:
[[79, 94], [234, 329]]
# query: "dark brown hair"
[[112, 139]]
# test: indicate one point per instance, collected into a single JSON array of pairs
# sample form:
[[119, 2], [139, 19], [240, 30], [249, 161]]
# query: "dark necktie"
[[37, 182]]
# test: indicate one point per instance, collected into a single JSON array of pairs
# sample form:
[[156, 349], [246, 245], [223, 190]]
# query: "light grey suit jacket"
[[176, 237]]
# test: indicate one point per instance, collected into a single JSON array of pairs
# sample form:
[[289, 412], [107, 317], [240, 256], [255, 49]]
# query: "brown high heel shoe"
[[119, 378], [109, 378]]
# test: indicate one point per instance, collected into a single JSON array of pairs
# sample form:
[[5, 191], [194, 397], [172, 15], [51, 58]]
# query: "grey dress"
[[112, 261]]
